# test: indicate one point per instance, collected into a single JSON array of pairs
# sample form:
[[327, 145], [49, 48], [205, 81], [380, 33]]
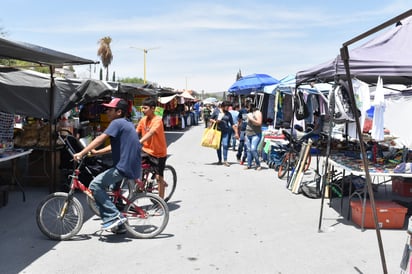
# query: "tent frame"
[[345, 58], [43, 57]]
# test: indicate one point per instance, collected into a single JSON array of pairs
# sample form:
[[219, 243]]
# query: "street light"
[[144, 60]]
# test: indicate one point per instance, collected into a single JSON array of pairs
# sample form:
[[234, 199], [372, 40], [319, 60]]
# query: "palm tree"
[[105, 53]]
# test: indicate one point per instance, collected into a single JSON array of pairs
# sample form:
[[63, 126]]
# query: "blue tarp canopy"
[[252, 83], [288, 84]]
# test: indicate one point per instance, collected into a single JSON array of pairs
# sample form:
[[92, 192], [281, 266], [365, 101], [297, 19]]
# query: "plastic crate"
[[390, 214]]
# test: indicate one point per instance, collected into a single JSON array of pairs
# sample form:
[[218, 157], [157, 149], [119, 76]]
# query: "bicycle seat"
[[148, 158], [297, 136]]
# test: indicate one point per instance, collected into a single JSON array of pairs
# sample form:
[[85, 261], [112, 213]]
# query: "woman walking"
[[225, 124], [253, 135]]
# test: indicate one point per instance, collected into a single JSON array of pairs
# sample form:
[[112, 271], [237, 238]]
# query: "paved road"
[[222, 220]]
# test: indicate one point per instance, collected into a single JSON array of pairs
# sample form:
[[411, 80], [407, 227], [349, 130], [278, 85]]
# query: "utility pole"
[[144, 60]]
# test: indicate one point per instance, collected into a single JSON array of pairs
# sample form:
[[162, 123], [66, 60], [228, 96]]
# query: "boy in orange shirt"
[[152, 137]]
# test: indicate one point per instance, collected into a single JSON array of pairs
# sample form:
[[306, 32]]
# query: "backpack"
[[301, 109], [343, 110], [311, 189]]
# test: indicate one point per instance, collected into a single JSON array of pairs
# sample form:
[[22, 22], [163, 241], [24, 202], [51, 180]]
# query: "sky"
[[196, 45]]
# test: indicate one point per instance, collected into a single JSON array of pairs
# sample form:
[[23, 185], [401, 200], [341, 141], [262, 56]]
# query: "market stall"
[[386, 56], [38, 95]]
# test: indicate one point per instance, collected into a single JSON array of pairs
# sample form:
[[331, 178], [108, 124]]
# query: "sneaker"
[[258, 168], [247, 167], [226, 164], [219, 163], [241, 163], [121, 229], [119, 220]]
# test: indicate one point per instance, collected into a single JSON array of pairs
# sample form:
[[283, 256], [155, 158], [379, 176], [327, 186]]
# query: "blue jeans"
[[242, 147], [252, 143], [223, 144], [98, 186]]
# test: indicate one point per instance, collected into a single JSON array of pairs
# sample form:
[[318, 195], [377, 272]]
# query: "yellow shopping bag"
[[211, 137]]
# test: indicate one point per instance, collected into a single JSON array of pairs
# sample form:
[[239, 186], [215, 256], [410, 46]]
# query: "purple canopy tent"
[[387, 55]]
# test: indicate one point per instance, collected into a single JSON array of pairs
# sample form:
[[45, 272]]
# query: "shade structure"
[[387, 55], [210, 100], [29, 93], [38, 54], [253, 82]]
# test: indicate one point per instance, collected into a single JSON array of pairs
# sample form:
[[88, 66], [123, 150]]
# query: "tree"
[[238, 75], [132, 80], [105, 53]]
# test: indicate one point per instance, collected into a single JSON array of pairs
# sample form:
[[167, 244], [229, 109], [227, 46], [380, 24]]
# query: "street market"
[[331, 139]]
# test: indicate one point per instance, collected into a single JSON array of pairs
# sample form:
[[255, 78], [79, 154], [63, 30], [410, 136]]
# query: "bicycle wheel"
[[127, 187], [147, 215], [170, 178], [284, 166], [59, 216]]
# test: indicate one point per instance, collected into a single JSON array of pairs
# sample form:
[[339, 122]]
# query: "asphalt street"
[[222, 220]]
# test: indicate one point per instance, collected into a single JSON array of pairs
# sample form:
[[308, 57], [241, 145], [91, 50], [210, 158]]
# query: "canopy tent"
[[185, 94], [288, 84], [47, 89], [387, 55], [37, 54], [252, 83], [28, 93], [133, 89]]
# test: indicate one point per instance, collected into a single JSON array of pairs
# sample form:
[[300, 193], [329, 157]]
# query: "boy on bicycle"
[[152, 137], [126, 154]]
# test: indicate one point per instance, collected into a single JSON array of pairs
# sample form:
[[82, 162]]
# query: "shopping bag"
[[211, 137]]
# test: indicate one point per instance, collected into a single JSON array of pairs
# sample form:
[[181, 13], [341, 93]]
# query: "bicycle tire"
[[49, 222], [169, 176], [127, 191], [284, 166], [155, 219]]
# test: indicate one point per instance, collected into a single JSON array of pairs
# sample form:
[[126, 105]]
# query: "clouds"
[[202, 44]]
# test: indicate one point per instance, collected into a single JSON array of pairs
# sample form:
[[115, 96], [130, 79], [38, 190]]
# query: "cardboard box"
[[390, 214], [402, 186]]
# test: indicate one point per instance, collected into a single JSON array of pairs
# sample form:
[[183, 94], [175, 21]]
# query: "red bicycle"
[[59, 215]]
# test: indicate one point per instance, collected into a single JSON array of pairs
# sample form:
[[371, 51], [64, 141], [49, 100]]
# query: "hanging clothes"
[[362, 101], [379, 103]]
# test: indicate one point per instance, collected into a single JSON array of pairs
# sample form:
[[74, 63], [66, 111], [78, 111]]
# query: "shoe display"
[[119, 220]]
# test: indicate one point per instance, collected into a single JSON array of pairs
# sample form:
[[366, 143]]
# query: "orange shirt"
[[156, 145]]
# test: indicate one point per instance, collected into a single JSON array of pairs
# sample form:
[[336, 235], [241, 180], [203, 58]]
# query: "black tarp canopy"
[[40, 95], [37, 54], [387, 55], [28, 93]]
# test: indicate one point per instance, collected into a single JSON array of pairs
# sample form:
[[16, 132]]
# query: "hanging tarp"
[[185, 94], [387, 55], [28, 93], [166, 99], [37, 54]]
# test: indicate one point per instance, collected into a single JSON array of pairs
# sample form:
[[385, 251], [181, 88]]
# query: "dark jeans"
[[241, 147]]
